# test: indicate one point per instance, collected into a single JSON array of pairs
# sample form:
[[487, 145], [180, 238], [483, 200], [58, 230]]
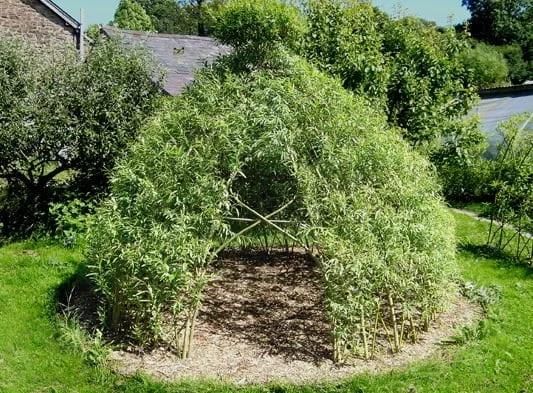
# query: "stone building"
[[40, 21]]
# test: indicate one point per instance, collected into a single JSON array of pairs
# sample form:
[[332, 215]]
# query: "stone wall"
[[35, 22]]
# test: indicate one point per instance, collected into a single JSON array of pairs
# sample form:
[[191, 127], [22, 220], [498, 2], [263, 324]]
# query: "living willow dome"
[[297, 153]]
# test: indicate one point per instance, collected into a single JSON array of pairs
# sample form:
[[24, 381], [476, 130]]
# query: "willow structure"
[[294, 151]]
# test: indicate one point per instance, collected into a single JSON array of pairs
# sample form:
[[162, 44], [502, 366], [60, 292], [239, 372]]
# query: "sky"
[[440, 11]]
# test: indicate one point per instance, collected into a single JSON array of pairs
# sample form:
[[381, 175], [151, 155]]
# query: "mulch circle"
[[263, 320]]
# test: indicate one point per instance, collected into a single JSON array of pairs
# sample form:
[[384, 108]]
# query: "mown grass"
[[479, 208], [33, 358]]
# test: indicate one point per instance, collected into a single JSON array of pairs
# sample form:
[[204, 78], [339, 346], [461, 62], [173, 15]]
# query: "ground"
[[263, 320], [497, 357]]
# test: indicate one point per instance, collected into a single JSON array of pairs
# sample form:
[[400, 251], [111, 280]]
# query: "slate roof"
[[179, 55]]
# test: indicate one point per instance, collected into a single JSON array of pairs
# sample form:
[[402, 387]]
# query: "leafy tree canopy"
[[181, 17], [257, 29], [131, 15], [487, 65], [408, 67], [501, 22], [504, 22], [64, 123]]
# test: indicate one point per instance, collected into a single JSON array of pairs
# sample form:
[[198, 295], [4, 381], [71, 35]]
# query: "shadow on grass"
[[502, 257], [76, 298]]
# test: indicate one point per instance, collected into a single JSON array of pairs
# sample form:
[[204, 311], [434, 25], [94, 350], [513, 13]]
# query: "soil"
[[262, 320]]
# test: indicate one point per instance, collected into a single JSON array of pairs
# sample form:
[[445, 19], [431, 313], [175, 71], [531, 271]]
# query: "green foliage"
[[429, 88], [265, 139], [63, 123], [518, 67], [75, 337], [168, 17], [93, 32], [467, 334], [346, 40], [504, 23], [71, 220], [501, 22], [257, 29], [512, 186], [181, 17], [462, 168], [131, 15], [485, 296], [410, 67], [487, 65]]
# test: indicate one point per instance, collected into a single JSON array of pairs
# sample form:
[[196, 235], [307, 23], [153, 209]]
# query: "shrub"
[[487, 65], [347, 41], [71, 220], [63, 123], [256, 29], [429, 88], [293, 138], [518, 67], [464, 172], [409, 66]]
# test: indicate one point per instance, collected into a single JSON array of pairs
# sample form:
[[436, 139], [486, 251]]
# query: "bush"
[[296, 138], [408, 66], [464, 172], [63, 123], [518, 67], [347, 41], [487, 65], [71, 220], [256, 29], [429, 88]]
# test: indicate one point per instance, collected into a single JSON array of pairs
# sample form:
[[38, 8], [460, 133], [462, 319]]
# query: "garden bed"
[[263, 320]]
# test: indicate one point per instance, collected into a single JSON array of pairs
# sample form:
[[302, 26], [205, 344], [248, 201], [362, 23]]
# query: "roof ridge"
[[160, 35], [64, 15]]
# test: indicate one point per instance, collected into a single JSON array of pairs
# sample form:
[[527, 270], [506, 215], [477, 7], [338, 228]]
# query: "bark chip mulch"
[[263, 320]]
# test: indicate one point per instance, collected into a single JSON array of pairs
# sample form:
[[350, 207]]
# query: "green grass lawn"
[[479, 208], [33, 358]]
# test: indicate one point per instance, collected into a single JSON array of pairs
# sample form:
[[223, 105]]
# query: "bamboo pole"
[[375, 332], [269, 222], [394, 324], [363, 332], [387, 334]]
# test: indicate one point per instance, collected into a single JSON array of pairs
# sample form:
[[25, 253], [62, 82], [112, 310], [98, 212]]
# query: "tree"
[[63, 123], [518, 67], [131, 15], [169, 16], [346, 40], [500, 22], [408, 67], [94, 32], [503, 22], [487, 65], [257, 31], [181, 17]]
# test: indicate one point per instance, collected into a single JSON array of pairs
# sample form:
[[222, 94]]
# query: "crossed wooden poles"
[[262, 219]]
